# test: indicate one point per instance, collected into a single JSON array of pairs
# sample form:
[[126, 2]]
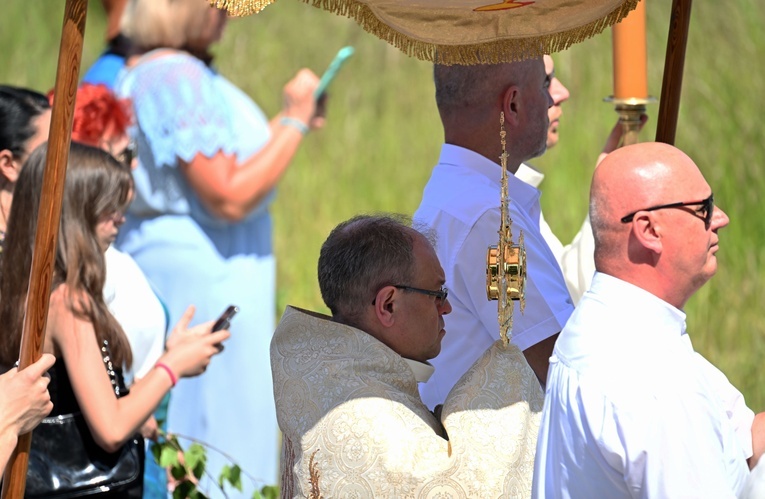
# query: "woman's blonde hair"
[[178, 24]]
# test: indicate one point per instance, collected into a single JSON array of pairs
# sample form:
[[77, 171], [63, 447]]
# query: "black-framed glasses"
[[706, 209], [440, 295]]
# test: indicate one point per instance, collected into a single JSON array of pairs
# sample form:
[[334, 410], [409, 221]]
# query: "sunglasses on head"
[[128, 154]]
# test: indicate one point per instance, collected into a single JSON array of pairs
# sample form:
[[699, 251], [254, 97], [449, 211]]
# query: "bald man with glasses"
[[631, 410]]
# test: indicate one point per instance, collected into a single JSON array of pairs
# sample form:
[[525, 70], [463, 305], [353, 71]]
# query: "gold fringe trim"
[[241, 8], [494, 52]]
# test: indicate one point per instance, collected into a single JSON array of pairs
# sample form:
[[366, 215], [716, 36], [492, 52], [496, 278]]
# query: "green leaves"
[[189, 466], [196, 459], [187, 490], [232, 475], [267, 492], [168, 457]]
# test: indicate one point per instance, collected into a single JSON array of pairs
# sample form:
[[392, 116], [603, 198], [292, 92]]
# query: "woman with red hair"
[[102, 120]]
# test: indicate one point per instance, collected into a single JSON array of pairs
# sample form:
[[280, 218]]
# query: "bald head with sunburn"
[[654, 221]]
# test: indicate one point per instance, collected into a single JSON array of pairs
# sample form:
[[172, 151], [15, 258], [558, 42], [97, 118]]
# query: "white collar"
[[530, 175], [422, 371], [523, 194], [617, 293]]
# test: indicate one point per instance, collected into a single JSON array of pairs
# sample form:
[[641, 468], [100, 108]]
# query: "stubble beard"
[[541, 148]]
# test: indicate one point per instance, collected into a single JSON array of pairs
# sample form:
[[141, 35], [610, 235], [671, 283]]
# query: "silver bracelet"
[[294, 123]]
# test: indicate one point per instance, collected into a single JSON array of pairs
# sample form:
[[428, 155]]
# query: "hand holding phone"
[[224, 321], [329, 75]]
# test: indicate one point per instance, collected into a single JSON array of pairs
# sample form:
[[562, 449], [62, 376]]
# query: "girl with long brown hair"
[[80, 328]]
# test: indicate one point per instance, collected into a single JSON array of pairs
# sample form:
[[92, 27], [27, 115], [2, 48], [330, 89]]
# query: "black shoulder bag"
[[66, 462]]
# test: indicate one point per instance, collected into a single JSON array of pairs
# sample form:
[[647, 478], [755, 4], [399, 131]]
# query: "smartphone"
[[342, 56], [224, 321]]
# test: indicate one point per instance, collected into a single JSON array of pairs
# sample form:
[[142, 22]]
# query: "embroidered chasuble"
[[354, 425]]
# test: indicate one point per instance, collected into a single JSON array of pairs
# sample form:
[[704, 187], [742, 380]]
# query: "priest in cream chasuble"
[[354, 424]]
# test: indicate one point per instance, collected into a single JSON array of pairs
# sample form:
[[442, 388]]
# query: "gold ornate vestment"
[[354, 424]]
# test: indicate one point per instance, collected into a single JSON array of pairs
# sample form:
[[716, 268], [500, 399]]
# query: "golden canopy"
[[470, 31]]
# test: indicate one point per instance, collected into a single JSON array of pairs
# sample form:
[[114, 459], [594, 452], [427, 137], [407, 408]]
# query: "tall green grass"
[[383, 136]]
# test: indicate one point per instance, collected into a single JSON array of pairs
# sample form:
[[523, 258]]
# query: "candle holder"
[[629, 111]]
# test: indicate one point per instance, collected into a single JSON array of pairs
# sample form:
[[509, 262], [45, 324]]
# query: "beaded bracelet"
[[294, 123], [169, 372]]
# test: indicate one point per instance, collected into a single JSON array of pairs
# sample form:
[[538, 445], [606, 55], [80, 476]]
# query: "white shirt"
[[136, 307], [576, 259], [461, 202], [755, 486], [632, 411]]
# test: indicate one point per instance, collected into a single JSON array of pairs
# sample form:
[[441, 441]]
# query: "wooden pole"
[[673, 71], [44, 253]]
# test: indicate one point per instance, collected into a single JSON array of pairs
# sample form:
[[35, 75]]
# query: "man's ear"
[[648, 232], [385, 305], [8, 166], [511, 105]]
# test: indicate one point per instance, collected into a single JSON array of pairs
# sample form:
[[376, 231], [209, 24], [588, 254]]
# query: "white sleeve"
[[577, 261], [548, 305], [755, 486], [740, 416], [664, 447]]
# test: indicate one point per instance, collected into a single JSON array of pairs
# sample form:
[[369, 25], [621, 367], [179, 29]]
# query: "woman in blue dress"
[[199, 226]]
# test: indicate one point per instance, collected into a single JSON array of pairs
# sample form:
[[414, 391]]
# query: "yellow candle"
[[630, 74]]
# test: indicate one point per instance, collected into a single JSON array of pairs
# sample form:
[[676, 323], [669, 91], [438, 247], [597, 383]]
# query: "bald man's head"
[[637, 237], [629, 179]]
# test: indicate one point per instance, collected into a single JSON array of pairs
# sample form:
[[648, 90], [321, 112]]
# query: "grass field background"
[[383, 136]]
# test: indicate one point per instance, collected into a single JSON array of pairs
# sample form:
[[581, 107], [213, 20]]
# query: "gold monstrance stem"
[[504, 313], [505, 262]]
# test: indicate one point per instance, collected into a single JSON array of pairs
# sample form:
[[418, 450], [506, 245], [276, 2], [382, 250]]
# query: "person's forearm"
[[260, 173], [758, 439], [131, 411], [538, 357], [231, 190], [189, 351], [8, 441]]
